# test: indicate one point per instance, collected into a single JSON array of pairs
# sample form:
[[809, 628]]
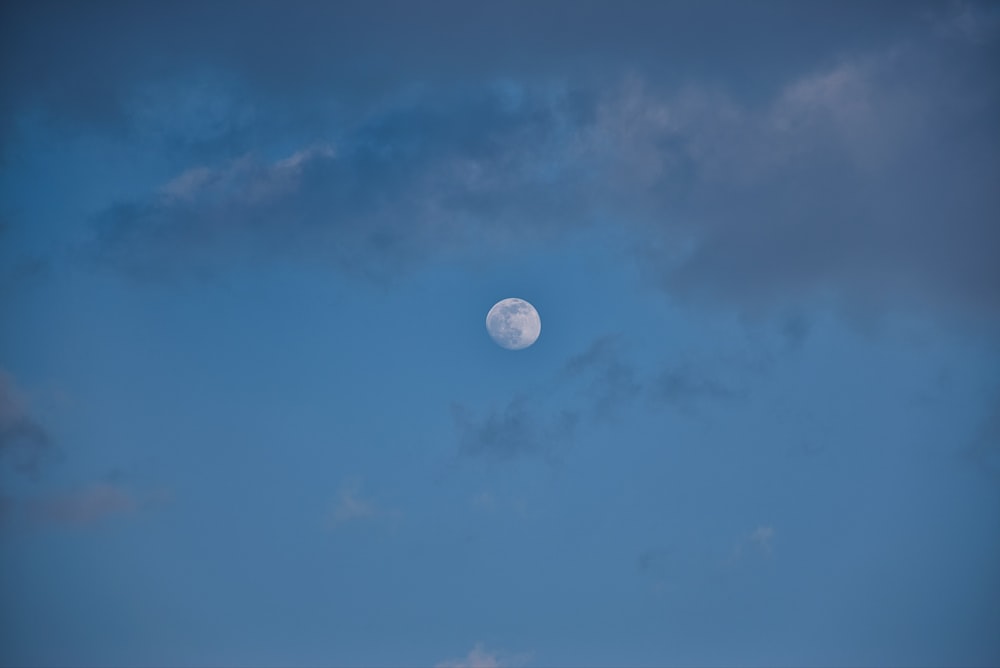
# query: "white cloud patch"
[[351, 506], [759, 542], [761, 538], [480, 657]]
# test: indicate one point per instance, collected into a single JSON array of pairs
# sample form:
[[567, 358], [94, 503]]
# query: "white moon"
[[513, 323]]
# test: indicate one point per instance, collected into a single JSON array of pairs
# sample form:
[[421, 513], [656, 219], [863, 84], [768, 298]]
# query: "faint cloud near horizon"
[[480, 657]]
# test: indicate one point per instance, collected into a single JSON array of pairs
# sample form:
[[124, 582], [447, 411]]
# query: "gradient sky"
[[250, 413]]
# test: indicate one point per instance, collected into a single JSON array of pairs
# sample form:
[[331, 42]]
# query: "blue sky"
[[250, 413]]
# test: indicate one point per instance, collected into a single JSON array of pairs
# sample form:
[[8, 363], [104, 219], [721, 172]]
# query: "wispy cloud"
[[351, 506], [761, 538], [83, 507], [24, 442], [683, 387], [984, 448], [866, 184], [609, 379], [480, 657], [595, 384], [758, 542], [410, 183], [513, 431], [25, 445]]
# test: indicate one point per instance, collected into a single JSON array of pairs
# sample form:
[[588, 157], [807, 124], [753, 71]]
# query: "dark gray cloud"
[[24, 442], [864, 185]]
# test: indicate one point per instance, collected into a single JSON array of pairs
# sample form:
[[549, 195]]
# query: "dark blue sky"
[[250, 413]]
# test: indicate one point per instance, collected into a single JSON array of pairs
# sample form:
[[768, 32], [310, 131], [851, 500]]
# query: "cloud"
[[351, 507], [683, 387], [858, 175], [20, 271], [24, 442], [319, 58], [480, 657], [656, 565], [609, 379], [594, 384], [477, 657], [984, 448], [25, 445], [423, 180], [8, 508], [760, 542], [761, 538], [83, 507], [514, 431], [866, 185]]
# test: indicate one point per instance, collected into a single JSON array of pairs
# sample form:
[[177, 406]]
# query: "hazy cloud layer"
[[864, 176], [326, 56], [428, 178], [867, 184]]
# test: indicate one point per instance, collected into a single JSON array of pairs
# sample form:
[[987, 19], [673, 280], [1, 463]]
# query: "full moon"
[[513, 323]]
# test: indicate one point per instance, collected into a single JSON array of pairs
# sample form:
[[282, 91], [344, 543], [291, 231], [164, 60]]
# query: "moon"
[[513, 323]]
